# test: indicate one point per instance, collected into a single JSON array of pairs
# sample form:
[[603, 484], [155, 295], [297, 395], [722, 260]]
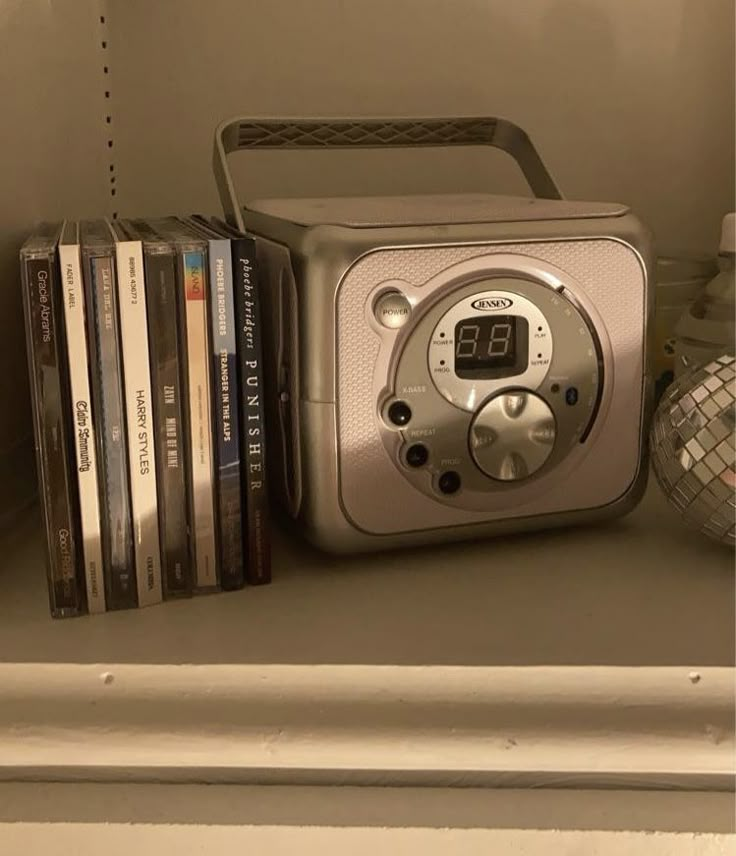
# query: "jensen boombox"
[[446, 366]]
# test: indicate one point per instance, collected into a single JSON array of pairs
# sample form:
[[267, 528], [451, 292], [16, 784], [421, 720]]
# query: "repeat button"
[[392, 310]]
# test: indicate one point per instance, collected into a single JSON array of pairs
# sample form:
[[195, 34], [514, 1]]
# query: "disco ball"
[[692, 447]]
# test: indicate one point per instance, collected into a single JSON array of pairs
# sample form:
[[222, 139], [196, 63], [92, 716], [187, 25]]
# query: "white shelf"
[[641, 591], [595, 657], [186, 840], [434, 808]]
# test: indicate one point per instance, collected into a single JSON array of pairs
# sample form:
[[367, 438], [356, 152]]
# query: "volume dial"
[[512, 435]]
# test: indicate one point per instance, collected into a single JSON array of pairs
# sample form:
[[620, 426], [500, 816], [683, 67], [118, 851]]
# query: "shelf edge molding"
[[542, 726]]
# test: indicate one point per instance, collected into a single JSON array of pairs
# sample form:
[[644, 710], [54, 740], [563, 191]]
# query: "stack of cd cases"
[[141, 336]]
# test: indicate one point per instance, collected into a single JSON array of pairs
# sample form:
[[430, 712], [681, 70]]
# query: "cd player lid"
[[428, 209]]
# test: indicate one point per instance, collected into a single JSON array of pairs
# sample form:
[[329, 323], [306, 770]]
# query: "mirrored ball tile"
[[693, 457]]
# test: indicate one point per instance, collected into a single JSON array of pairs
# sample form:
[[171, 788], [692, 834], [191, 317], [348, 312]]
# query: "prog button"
[[449, 482]]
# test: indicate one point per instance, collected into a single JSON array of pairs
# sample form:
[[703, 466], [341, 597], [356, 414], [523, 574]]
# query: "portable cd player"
[[446, 366]]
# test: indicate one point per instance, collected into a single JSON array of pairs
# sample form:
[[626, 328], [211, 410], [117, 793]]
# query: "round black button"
[[417, 455], [399, 413], [449, 482], [571, 395]]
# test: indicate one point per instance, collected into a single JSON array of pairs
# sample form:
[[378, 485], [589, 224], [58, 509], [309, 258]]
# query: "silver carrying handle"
[[254, 133]]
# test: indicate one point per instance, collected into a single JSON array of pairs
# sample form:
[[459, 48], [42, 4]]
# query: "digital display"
[[491, 346]]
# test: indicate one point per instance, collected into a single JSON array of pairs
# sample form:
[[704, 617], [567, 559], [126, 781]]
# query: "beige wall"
[[52, 164], [631, 100]]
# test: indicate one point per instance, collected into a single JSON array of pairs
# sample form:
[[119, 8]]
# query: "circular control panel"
[[494, 384], [512, 435], [490, 336]]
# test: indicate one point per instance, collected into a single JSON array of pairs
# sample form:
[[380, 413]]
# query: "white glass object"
[[706, 328], [680, 280]]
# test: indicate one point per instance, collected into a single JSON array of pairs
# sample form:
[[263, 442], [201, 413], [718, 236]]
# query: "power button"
[[392, 310]]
